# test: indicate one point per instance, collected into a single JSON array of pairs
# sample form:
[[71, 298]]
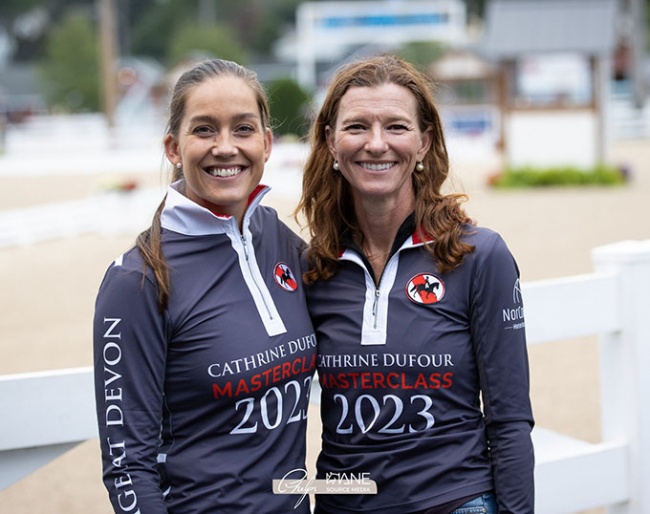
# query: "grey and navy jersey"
[[202, 406], [403, 366]]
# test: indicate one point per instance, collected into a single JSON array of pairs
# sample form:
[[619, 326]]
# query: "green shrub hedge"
[[529, 176]]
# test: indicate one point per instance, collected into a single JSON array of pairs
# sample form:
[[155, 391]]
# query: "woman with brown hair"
[[417, 311], [204, 351]]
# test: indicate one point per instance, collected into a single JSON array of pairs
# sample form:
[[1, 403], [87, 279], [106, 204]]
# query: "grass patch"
[[529, 176]]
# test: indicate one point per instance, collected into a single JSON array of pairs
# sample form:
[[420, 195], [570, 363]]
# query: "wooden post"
[[109, 55]]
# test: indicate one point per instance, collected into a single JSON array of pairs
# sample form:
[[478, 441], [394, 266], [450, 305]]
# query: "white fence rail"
[[46, 414]]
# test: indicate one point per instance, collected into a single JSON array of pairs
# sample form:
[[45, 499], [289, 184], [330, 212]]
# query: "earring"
[[335, 166], [178, 166], [419, 166]]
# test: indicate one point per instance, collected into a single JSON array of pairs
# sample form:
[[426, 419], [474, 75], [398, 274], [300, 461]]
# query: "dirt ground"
[[48, 292]]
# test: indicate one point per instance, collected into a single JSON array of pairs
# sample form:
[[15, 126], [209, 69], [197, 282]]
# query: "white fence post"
[[625, 367]]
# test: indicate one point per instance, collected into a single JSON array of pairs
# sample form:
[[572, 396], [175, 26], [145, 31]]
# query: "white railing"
[[45, 414], [613, 303]]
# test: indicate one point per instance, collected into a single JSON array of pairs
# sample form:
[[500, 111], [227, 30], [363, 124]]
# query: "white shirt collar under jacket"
[[375, 309], [184, 216]]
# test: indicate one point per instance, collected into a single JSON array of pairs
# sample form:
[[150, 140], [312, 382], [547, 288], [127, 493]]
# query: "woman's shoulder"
[[268, 220], [486, 241], [126, 265], [479, 235]]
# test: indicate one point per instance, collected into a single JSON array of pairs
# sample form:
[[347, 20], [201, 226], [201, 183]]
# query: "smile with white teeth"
[[377, 167], [224, 172]]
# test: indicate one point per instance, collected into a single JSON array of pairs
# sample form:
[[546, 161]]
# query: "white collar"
[[185, 216]]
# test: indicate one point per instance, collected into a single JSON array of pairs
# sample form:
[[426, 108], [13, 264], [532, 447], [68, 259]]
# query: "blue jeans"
[[484, 504]]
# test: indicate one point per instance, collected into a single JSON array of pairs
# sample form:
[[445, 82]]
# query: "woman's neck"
[[378, 224]]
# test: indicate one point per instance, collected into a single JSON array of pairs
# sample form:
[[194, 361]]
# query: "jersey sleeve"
[[498, 333], [129, 363]]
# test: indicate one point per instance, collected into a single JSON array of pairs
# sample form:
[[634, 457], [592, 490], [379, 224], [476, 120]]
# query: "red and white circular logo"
[[425, 289], [284, 277]]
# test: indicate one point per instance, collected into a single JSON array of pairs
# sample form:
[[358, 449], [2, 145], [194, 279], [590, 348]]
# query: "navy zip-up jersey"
[[202, 406], [403, 366]]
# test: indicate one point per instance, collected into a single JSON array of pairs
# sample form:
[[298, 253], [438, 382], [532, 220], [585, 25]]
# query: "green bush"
[[529, 176], [289, 104], [70, 70], [421, 53], [216, 40]]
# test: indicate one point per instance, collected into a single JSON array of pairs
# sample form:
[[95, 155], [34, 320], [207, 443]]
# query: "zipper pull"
[[375, 306], [243, 240]]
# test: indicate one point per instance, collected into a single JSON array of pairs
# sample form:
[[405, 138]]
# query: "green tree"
[[9, 9], [289, 105], [260, 23], [421, 53], [151, 27], [215, 40], [70, 70], [255, 24]]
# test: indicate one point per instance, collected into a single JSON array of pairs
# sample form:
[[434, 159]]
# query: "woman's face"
[[221, 145], [377, 141]]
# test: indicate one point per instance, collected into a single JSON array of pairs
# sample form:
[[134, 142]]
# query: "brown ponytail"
[[148, 242]]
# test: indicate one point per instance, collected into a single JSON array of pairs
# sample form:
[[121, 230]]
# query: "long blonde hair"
[[149, 241], [326, 202]]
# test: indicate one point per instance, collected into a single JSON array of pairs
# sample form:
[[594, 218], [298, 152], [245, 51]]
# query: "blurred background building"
[[509, 71]]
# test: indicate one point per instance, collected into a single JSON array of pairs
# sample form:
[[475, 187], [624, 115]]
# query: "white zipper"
[[269, 312], [375, 308], [254, 280]]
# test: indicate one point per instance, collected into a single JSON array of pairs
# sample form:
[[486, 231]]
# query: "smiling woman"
[[377, 145], [221, 145], [396, 268], [214, 280]]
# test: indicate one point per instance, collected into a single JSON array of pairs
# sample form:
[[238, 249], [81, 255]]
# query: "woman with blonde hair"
[[409, 301]]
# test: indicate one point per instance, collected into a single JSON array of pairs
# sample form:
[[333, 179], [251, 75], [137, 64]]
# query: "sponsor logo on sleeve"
[[513, 316]]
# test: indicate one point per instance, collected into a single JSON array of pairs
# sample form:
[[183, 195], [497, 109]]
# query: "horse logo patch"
[[284, 277], [425, 289]]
